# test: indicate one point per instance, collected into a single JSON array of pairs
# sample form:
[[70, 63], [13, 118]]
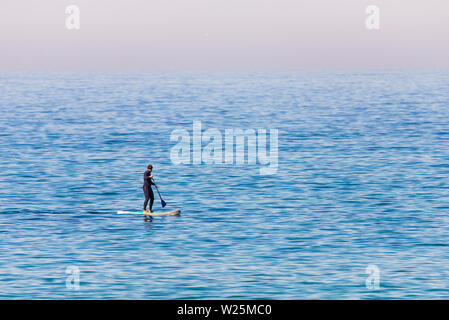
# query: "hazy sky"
[[224, 35]]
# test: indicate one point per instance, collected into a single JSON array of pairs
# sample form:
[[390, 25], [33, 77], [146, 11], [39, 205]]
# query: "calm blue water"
[[363, 179]]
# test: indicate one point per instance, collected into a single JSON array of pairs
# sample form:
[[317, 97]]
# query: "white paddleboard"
[[155, 213]]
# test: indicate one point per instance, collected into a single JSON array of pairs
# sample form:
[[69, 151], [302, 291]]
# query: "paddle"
[[163, 203]]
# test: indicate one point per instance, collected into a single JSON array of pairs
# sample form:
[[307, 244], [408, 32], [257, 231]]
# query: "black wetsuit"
[[147, 182]]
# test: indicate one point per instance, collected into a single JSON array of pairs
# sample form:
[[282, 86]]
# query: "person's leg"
[[151, 194], [147, 197]]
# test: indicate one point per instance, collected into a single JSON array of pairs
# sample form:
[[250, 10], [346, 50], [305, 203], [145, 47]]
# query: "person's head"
[[150, 167]]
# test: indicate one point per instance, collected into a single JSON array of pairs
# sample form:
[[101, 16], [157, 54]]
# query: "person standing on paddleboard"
[[147, 182]]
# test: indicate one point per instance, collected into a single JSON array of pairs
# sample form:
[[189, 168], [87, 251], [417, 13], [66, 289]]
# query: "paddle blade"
[[163, 203]]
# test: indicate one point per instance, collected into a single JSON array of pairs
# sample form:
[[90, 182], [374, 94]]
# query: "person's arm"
[[147, 177]]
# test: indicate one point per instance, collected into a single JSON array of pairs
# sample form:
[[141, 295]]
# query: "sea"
[[356, 208]]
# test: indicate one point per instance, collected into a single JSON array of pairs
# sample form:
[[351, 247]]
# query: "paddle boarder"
[[147, 183]]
